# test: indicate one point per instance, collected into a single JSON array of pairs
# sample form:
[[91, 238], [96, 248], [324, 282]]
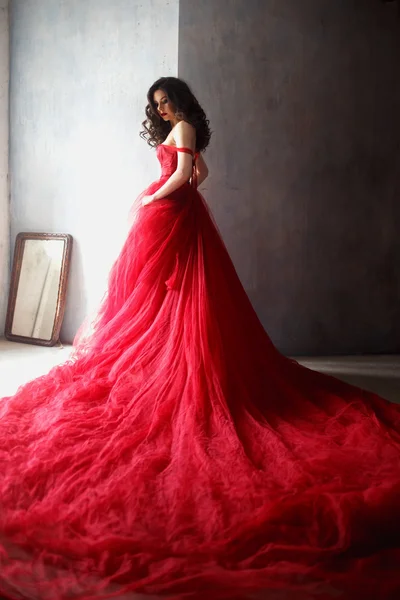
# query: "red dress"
[[179, 453]]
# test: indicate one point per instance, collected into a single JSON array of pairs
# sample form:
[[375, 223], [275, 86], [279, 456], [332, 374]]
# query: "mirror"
[[39, 277]]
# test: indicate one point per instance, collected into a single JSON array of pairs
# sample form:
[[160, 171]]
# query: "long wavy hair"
[[155, 129]]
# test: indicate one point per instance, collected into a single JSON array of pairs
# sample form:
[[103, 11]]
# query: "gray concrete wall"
[[303, 98], [4, 204], [80, 73]]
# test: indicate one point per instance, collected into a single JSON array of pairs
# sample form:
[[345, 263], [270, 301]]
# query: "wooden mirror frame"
[[16, 270]]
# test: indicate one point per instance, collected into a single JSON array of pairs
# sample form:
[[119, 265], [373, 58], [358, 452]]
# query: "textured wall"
[[304, 98], [80, 73], [4, 205]]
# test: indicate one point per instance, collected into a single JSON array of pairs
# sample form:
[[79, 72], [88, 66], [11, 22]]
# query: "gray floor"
[[380, 374], [20, 363]]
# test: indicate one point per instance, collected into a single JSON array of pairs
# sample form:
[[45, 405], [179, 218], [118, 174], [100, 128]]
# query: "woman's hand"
[[147, 199]]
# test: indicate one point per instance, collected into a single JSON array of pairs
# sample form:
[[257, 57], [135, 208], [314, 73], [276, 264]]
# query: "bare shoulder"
[[185, 134], [186, 127]]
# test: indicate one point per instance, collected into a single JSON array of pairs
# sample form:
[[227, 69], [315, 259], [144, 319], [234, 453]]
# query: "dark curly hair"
[[187, 108]]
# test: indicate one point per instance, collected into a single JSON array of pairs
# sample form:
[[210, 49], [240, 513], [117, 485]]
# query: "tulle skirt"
[[177, 453]]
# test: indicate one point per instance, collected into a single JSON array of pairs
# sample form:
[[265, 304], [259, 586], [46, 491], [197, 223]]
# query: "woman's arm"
[[185, 137], [201, 169]]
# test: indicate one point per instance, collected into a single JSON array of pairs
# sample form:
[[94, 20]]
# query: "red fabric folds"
[[178, 453]]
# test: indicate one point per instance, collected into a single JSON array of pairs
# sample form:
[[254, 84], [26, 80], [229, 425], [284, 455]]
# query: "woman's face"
[[164, 107]]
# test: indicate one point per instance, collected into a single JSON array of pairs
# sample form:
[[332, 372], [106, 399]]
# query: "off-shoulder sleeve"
[[183, 149]]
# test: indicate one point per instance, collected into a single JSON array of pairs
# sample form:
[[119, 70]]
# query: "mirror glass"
[[38, 288]]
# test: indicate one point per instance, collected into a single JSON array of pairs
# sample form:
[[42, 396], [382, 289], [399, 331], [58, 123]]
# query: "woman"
[[178, 453]]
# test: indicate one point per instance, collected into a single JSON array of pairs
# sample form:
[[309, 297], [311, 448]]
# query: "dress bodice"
[[168, 158]]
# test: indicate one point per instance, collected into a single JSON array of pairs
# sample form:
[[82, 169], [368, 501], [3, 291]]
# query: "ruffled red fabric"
[[178, 453]]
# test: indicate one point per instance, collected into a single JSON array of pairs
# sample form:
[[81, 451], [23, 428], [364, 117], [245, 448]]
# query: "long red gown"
[[178, 453]]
